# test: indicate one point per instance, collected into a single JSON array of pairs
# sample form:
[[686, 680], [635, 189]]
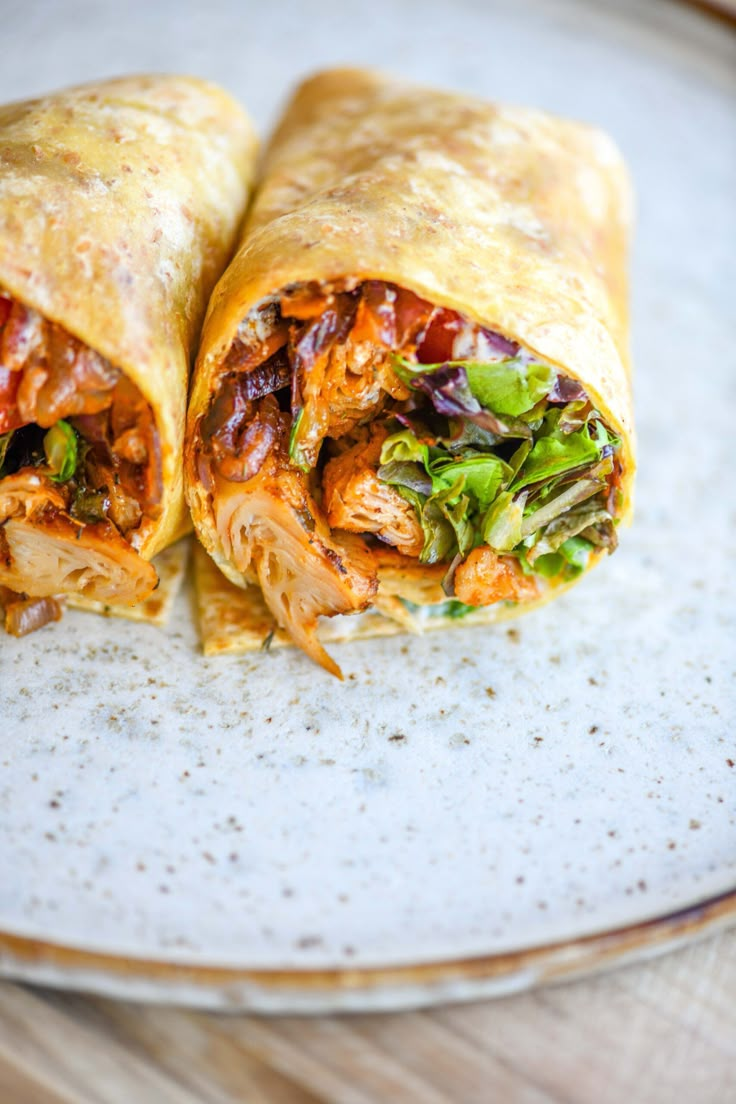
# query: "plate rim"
[[340, 988]]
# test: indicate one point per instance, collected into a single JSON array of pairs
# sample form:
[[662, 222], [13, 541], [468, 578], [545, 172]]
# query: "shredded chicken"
[[46, 374], [271, 526], [70, 537], [46, 552], [342, 368], [485, 577], [354, 498], [27, 493], [54, 555]]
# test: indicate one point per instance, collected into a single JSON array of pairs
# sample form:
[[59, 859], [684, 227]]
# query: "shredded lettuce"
[[452, 608], [544, 499], [501, 526], [511, 386]]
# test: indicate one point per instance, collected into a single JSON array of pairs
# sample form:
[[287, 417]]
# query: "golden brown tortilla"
[[119, 206], [514, 218], [234, 620]]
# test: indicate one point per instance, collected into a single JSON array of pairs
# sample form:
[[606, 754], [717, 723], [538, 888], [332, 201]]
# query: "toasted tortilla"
[[235, 620], [119, 207], [516, 219]]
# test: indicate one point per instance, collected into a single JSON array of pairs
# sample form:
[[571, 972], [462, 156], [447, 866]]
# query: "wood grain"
[[649, 1034]]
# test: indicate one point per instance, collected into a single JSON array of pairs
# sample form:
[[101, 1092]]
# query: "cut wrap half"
[[412, 392], [119, 208]]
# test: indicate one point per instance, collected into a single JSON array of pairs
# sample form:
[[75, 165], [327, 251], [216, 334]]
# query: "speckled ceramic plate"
[[468, 813]]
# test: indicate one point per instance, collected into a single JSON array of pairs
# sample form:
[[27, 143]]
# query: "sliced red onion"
[[500, 344], [565, 390]]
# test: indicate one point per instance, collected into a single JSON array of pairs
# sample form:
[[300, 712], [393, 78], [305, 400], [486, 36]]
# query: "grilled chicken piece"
[[354, 498], [271, 526], [351, 390], [45, 552], [343, 371], [28, 493], [485, 577], [47, 546]]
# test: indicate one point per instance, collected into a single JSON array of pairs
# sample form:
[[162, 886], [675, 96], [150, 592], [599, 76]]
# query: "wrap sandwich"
[[119, 208], [412, 395]]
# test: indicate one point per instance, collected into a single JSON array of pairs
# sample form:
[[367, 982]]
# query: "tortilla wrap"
[[511, 223], [120, 203]]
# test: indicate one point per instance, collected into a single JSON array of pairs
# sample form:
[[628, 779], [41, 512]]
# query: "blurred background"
[[562, 54]]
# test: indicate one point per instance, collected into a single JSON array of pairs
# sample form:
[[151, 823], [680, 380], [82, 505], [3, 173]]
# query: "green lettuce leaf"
[[557, 453], [567, 526], [510, 386], [576, 551], [483, 475], [454, 507], [446, 525], [60, 447], [573, 495], [404, 446], [439, 529], [406, 473], [452, 608], [569, 561], [501, 526]]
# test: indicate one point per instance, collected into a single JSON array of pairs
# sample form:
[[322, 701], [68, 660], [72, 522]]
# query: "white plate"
[[462, 796]]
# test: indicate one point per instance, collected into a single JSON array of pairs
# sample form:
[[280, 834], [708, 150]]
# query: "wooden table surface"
[[662, 1031]]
